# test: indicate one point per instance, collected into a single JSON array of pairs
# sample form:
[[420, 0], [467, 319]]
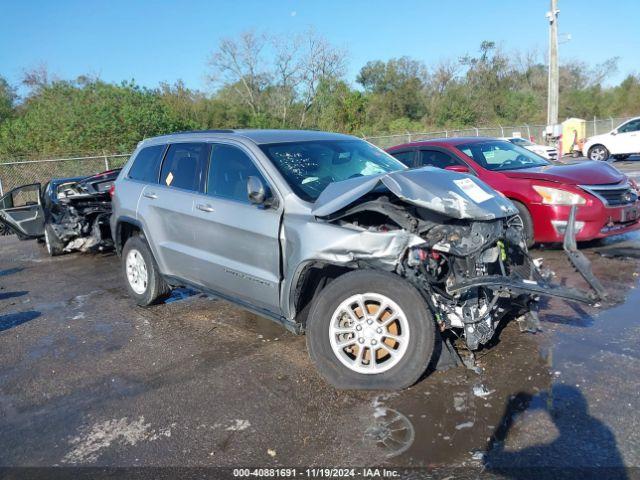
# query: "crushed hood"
[[578, 173], [453, 194]]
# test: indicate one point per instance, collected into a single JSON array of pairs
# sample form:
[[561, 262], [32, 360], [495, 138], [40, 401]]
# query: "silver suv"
[[328, 235]]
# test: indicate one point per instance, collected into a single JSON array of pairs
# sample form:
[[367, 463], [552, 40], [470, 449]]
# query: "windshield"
[[499, 155], [523, 142], [309, 167]]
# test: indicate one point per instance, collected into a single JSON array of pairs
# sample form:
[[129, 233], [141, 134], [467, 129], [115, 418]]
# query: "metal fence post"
[[1, 190], [528, 132], [477, 131], [106, 161], [595, 126], [446, 134], [501, 131], [611, 118]]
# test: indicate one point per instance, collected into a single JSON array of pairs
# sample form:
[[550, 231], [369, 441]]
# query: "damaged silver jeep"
[[330, 236]]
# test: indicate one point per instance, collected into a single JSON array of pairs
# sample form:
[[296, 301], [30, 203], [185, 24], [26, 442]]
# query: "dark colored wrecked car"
[[68, 214]]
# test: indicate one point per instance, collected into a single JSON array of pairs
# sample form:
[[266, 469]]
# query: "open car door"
[[22, 211]]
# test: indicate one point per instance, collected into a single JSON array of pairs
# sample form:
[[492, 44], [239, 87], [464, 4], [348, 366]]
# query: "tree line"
[[267, 81]]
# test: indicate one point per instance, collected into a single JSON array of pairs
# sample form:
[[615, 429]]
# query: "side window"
[[230, 168], [147, 164], [436, 158], [185, 166], [632, 126], [405, 157], [22, 197]]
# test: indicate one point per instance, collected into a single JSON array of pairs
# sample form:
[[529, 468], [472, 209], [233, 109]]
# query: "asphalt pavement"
[[89, 379]]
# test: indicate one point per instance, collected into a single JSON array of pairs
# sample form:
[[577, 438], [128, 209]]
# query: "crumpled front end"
[[467, 256]]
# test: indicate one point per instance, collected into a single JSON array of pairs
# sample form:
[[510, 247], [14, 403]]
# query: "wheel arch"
[[309, 280], [125, 228], [532, 219]]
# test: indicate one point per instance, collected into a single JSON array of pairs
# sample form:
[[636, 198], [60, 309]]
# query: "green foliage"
[[7, 99], [88, 115]]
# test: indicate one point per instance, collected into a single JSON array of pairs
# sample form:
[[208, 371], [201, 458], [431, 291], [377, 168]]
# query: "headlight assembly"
[[557, 196]]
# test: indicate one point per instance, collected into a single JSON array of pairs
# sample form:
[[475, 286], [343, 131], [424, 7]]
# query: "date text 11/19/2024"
[[367, 472]]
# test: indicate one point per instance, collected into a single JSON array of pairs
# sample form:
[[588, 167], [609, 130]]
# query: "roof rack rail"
[[202, 131]]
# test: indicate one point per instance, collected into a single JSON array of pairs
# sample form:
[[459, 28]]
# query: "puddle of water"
[[391, 433], [11, 320], [538, 400], [265, 329], [10, 271], [178, 294]]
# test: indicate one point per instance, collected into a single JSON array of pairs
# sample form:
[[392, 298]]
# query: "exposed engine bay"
[[472, 273], [69, 214], [79, 211]]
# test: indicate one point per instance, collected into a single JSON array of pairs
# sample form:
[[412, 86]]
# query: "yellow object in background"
[[574, 133]]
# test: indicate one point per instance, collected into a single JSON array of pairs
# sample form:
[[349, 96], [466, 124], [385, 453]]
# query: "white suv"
[[619, 142]]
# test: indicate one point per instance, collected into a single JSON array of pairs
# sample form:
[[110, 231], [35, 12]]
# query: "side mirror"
[[256, 191], [614, 132], [458, 168]]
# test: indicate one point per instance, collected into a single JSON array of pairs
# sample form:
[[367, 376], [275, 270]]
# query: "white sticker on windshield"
[[472, 190]]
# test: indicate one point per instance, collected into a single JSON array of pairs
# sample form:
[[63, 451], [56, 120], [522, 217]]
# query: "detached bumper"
[[519, 286]]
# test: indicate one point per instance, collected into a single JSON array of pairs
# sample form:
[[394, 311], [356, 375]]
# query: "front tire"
[[143, 280], [598, 153], [527, 223], [370, 330]]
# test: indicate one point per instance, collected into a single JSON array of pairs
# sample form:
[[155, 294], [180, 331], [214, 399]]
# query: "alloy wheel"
[[136, 268], [369, 333], [598, 154]]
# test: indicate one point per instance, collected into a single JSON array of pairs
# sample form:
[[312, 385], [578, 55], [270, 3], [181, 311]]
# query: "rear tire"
[[527, 223], [598, 153], [337, 330], [53, 244], [141, 275]]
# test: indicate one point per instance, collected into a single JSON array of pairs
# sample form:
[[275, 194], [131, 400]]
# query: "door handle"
[[205, 207], [151, 195]]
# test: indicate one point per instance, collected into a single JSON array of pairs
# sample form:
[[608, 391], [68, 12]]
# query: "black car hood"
[[453, 194]]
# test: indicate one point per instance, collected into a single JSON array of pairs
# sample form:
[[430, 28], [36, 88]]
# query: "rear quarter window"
[[146, 165]]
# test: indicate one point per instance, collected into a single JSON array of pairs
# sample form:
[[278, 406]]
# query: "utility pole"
[[554, 74]]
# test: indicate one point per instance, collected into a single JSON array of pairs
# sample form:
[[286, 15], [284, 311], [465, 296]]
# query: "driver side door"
[[21, 209]]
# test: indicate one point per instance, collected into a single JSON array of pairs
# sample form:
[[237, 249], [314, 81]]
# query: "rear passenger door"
[[431, 157], [408, 157], [237, 242], [166, 208]]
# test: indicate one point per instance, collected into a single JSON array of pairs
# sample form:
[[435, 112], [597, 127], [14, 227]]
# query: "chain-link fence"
[[22, 172], [14, 173], [536, 132]]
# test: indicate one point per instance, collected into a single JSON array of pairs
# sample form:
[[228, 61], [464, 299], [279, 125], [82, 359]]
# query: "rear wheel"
[[598, 153], [53, 244], [370, 330], [527, 223], [144, 282]]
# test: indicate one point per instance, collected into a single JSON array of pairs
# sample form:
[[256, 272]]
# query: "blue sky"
[[153, 41]]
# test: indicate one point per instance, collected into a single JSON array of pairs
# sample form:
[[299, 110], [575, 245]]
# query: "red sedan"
[[543, 191]]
